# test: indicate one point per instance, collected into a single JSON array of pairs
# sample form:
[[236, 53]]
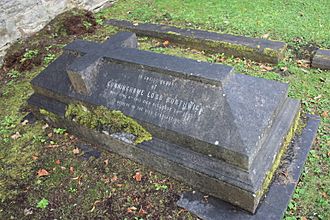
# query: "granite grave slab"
[[219, 131], [321, 59], [275, 202], [257, 49]]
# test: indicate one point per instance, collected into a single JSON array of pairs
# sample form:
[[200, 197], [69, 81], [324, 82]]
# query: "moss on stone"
[[51, 116], [297, 124], [173, 33], [102, 118], [270, 52]]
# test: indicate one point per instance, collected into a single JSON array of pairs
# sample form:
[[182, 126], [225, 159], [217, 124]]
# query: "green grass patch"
[[105, 187], [290, 21]]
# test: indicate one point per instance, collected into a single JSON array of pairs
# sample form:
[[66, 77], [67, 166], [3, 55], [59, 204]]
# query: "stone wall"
[[21, 18]]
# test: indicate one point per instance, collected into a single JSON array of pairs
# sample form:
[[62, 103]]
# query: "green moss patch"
[[296, 126], [101, 118]]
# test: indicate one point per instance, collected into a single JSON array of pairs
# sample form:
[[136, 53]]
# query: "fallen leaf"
[[34, 157], [76, 150], [324, 195], [131, 209], [303, 63], [166, 43], [57, 162], [265, 36], [52, 145], [267, 68], [16, 136], [318, 97], [71, 170], [42, 172], [50, 134], [137, 176], [303, 218], [45, 126], [142, 212], [114, 178], [106, 162], [325, 114], [63, 168]]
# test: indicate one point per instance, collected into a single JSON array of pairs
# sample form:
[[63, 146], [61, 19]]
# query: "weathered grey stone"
[[321, 59], [226, 128], [275, 203], [19, 19], [257, 49]]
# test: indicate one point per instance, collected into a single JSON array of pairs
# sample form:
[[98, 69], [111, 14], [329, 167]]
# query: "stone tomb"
[[221, 132]]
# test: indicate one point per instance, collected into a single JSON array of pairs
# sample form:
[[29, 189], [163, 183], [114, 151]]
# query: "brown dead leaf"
[[50, 135], [42, 172], [266, 68], [303, 63], [57, 162], [71, 170], [325, 114], [131, 209], [324, 195], [166, 43], [76, 150], [34, 157], [114, 178], [52, 145], [303, 218], [142, 212], [138, 176], [16, 136]]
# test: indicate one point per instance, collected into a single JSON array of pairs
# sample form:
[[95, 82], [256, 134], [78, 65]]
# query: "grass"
[[79, 188], [291, 21]]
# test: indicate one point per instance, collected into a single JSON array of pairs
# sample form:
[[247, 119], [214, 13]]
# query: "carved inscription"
[[153, 99]]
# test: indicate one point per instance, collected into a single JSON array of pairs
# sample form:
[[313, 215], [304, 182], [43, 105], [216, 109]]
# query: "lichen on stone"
[[295, 128], [51, 116], [103, 119]]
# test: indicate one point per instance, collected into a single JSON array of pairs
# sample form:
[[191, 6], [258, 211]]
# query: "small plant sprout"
[[28, 55], [162, 187], [72, 190], [43, 203], [59, 130], [14, 74], [86, 24], [49, 58]]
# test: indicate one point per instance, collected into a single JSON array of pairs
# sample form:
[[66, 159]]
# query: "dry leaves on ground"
[[138, 176], [42, 172]]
